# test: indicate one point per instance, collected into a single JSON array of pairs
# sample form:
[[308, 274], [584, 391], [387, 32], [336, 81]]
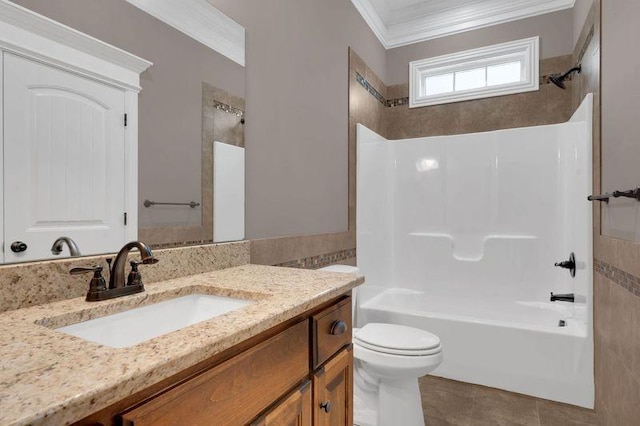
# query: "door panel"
[[294, 410], [64, 162], [333, 391]]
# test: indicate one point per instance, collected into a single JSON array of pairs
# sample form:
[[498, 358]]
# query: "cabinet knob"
[[18, 247], [325, 406], [338, 327]]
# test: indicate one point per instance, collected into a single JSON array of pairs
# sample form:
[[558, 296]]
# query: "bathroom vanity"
[[284, 357], [295, 373]]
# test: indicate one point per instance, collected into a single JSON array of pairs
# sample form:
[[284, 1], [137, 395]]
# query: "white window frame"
[[527, 51]]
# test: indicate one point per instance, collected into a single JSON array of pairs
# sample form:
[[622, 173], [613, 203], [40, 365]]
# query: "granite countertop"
[[47, 377]]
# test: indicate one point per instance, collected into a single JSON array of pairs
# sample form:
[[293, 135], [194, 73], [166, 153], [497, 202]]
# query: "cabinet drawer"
[[331, 331], [235, 391]]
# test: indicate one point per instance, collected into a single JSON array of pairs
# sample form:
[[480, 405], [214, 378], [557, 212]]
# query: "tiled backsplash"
[[28, 284]]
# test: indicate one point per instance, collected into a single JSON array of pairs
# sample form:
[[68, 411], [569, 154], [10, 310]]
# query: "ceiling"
[[401, 22]]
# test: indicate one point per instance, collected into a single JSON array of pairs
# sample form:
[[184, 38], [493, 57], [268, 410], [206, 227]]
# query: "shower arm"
[[577, 68]]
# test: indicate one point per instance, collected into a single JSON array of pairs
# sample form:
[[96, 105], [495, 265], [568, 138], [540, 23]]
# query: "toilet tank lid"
[[341, 268]]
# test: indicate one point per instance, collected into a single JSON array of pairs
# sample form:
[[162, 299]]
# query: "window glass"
[[510, 72], [437, 84], [471, 79], [497, 70]]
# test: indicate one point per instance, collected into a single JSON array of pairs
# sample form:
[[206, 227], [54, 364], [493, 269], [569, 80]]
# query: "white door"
[[64, 161]]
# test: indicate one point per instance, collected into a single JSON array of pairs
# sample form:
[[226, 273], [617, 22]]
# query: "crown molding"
[[30, 34], [429, 20], [26, 19], [202, 21]]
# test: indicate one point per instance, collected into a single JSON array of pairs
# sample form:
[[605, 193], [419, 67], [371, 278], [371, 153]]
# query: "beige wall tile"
[[272, 251], [602, 307], [620, 330], [29, 284]]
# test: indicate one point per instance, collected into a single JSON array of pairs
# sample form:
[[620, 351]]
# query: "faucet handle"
[[135, 277], [97, 285], [97, 269]]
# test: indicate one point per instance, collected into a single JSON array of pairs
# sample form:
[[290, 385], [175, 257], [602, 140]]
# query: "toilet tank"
[[346, 269]]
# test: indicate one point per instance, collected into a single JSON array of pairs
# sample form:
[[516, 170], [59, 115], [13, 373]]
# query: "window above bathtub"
[[501, 69]]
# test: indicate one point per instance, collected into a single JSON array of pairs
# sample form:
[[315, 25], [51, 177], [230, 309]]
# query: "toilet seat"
[[397, 340]]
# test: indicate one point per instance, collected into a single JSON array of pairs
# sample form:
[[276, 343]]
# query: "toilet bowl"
[[388, 360]]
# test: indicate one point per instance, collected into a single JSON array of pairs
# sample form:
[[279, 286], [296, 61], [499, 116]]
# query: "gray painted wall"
[[170, 141], [555, 31]]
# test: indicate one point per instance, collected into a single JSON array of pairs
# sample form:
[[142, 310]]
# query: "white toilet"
[[388, 360]]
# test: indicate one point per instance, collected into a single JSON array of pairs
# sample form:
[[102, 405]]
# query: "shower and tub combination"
[[460, 235]]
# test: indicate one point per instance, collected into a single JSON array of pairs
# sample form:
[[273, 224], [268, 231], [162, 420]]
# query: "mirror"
[[190, 133]]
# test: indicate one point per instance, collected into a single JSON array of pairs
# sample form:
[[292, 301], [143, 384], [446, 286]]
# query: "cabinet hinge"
[[125, 218], [125, 120]]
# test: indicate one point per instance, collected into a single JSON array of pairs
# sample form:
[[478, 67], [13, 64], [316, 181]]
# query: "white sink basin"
[[137, 325]]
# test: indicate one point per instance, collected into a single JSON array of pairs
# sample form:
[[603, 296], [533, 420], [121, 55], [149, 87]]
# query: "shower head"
[[559, 79]]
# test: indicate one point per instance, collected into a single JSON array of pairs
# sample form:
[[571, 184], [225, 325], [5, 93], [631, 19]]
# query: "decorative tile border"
[[321, 260], [397, 102], [227, 108], [629, 282], [180, 244], [391, 103], [364, 83]]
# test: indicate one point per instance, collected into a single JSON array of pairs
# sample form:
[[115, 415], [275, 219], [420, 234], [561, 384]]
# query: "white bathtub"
[[458, 235], [514, 346]]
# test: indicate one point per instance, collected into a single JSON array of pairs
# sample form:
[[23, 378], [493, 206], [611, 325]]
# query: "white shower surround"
[[458, 235]]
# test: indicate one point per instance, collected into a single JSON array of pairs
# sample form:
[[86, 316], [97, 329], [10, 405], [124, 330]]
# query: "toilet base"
[[394, 402], [400, 403]]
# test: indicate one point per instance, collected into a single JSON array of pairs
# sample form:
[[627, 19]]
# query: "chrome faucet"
[[56, 248], [98, 289]]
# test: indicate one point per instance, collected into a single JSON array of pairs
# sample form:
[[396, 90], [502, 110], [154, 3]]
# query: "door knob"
[[18, 247]]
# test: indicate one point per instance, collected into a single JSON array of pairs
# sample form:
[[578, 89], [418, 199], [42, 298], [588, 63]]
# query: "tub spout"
[[563, 297]]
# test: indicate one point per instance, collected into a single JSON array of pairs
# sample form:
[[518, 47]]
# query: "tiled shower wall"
[[392, 118], [549, 105]]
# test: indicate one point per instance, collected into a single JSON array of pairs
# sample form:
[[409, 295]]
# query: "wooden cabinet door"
[[234, 392], [294, 410], [333, 391]]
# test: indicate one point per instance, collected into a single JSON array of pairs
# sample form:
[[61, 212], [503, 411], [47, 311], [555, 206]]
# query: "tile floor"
[[451, 403]]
